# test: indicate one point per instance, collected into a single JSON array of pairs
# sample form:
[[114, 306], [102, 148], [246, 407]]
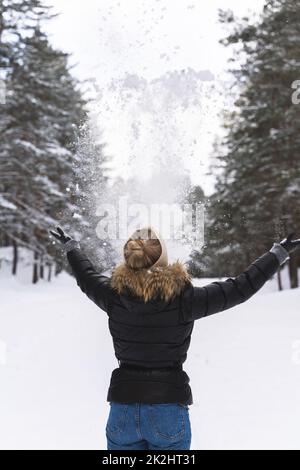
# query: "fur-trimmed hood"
[[164, 282]]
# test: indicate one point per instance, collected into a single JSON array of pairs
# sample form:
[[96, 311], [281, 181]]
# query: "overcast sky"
[[108, 38]]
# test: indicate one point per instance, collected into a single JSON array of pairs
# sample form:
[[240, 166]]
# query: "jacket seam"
[[261, 271], [224, 295], [250, 282], [143, 342], [206, 301], [148, 326]]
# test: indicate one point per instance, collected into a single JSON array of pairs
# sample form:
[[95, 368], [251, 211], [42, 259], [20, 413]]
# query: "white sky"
[[108, 38]]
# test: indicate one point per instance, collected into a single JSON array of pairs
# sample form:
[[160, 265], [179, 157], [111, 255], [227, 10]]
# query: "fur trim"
[[165, 282]]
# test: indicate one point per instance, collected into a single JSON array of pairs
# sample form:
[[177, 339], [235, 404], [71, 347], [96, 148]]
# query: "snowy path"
[[244, 367]]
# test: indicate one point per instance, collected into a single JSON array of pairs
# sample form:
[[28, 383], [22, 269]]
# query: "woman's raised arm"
[[95, 285], [198, 302]]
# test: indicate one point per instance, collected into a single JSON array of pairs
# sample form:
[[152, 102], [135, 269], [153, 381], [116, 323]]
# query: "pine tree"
[[17, 19], [256, 200], [44, 107]]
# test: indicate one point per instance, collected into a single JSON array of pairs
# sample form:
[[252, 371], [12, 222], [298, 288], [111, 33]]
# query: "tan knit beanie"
[[137, 252]]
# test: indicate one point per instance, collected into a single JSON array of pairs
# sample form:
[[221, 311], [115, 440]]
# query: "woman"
[[151, 307]]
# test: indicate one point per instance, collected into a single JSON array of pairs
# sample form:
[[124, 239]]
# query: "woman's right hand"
[[60, 235]]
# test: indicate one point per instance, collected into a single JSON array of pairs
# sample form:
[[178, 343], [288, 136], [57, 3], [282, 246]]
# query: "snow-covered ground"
[[56, 357]]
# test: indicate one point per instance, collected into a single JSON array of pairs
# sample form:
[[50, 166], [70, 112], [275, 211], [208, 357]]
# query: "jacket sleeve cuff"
[[280, 252], [71, 245]]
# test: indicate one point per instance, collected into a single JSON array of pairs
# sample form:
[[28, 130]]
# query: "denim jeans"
[[142, 426]]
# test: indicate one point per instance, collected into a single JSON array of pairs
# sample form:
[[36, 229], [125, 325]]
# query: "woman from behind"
[[151, 307]]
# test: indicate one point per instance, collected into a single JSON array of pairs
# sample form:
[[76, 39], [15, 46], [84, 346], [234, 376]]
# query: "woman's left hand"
[[289, 244]]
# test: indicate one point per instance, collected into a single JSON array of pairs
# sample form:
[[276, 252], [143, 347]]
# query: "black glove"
[[61, 236], [289, 244]]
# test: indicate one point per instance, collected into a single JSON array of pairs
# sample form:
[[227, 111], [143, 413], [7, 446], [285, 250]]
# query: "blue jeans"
[[141, 426]]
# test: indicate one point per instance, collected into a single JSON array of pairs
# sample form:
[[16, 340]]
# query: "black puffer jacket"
[[151, 339]]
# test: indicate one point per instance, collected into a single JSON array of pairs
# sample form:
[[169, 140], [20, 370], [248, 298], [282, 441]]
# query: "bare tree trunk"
[[42, 267], [15, 258], [279, 279], [293, 271], [58, 269], [49, 272], [35, 277], [6, 240]]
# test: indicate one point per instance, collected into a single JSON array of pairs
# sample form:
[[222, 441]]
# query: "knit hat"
[[150, 233]]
